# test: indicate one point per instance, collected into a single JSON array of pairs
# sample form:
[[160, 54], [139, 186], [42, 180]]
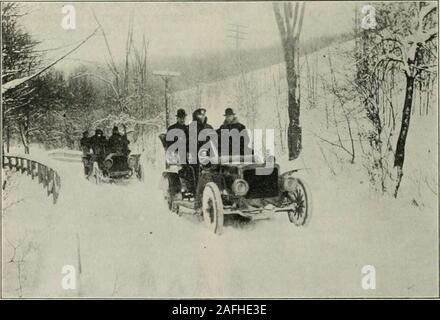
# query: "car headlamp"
[[289, 184], [131, 162], [240, 187]]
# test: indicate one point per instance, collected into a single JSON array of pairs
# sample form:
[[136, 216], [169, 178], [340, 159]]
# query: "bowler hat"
[[181, 113], [229, 112]]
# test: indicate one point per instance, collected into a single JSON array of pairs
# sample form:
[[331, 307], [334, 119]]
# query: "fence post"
[[23, 168], [40, 173], [55, 190], [49, 181], [45, 176], [28, 167], [32, 169]]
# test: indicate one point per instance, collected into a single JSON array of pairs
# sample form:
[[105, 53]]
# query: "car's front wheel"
[[212, 207], [300, 199]]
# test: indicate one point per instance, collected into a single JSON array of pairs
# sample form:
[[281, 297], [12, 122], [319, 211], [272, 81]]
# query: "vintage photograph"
[[219, 149]]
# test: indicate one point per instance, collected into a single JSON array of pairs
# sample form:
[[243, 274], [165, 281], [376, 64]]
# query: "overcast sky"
[[175, 28]]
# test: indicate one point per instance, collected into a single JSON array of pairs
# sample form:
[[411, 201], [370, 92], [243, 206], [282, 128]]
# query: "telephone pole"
[[166, 77], [237, 33]]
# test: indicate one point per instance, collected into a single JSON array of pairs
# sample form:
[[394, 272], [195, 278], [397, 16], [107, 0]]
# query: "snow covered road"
[[123, 242]]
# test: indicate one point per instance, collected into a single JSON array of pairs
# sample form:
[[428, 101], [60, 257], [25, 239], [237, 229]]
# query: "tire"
[[140, 173], [212, 208], [301, 200], [167, 193]]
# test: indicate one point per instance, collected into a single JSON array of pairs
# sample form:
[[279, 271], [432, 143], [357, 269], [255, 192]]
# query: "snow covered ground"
[[127, 244], [123, 242]]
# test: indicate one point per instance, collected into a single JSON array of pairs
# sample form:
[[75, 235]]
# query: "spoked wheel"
[[166, 192], [212, 207], [140, 173], [301, 204], [168, 196]]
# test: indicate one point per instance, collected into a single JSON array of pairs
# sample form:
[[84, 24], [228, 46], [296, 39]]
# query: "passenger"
[[185, 173], [85, 143], [231, 122], [85, 148], [99, 143], [125, 143], [115, 142], [180, 124]]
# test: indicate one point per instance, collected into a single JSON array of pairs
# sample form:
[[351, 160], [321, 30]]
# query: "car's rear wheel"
[[140, 173], [300, 198], [168, 196], [167, 192], [212, 207]]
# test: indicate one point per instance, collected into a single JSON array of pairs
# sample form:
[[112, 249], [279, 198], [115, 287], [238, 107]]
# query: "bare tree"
[[289, 19]]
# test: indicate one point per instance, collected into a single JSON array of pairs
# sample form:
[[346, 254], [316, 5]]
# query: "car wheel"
[[300, 203], [140, 173], [212, 207], [167, 193]]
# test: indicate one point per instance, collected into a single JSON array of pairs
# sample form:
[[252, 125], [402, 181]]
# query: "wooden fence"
[[48, 177]]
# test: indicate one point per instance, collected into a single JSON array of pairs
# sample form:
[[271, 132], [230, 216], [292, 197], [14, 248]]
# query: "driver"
[[115, 141], [98, 144], [201, 121], [224, 132]]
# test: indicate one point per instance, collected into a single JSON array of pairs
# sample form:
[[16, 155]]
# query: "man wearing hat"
[[98, 142], [231, 122], [85, 147], [199, 123], [115, 142], [180, 124], [85, 142]]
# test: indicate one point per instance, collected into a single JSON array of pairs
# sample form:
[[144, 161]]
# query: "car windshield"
[[247, 159]]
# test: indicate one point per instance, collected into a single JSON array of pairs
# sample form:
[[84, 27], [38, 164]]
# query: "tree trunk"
[[8, 138], [294, 129], [399, 156], [24, 138]]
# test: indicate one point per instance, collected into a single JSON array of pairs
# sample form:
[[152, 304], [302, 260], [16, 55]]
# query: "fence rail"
[[48, 177]]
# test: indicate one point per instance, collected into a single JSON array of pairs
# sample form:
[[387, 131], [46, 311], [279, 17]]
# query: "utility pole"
[[166, 77], [237, 33]]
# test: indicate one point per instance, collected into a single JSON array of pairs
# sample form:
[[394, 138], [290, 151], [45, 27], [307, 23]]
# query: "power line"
[[237, 34]]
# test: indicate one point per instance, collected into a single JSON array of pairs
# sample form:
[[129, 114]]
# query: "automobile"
[[113, 167], [235, 186]]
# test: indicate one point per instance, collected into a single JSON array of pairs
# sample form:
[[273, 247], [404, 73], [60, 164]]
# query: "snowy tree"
[[19, 60], [405, 41]]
